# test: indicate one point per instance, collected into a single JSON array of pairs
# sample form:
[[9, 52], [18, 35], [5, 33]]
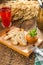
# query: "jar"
[[40, 18]]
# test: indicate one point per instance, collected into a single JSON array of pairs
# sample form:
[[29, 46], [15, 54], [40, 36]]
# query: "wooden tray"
[[26, 51]]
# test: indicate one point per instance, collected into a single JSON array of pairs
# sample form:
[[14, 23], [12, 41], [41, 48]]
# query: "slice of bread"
[[12, 32], [14, 40], [21, 38]]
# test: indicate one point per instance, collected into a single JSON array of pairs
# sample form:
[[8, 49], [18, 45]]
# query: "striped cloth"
[[38, 59]]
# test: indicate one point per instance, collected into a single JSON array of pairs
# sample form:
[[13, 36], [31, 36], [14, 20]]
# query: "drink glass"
[[6, 16]]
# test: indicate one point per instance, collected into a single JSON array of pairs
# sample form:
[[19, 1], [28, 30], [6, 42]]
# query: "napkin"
[[38, 59]]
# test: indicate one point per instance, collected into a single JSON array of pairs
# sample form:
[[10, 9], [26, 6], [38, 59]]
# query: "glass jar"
[[40, 18]]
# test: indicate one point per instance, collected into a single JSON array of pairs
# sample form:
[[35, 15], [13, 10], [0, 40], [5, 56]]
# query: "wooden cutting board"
[[24, 50]]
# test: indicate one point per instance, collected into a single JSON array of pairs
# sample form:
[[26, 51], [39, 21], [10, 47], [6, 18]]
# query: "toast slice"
[[21, 38]]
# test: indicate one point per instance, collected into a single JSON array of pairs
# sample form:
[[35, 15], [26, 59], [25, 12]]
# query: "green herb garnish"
[[33, 32]]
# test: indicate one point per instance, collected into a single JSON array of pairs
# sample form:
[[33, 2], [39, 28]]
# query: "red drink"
[[6, 16]]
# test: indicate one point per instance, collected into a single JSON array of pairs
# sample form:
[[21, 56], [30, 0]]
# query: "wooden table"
[[10, 57]]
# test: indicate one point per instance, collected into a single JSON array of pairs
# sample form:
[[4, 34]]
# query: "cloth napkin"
[[38, 59]]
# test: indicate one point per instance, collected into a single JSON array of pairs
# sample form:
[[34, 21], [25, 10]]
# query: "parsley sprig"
[[33, 32]]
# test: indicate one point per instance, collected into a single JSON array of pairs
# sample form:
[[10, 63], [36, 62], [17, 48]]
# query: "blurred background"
[[2, 1]]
